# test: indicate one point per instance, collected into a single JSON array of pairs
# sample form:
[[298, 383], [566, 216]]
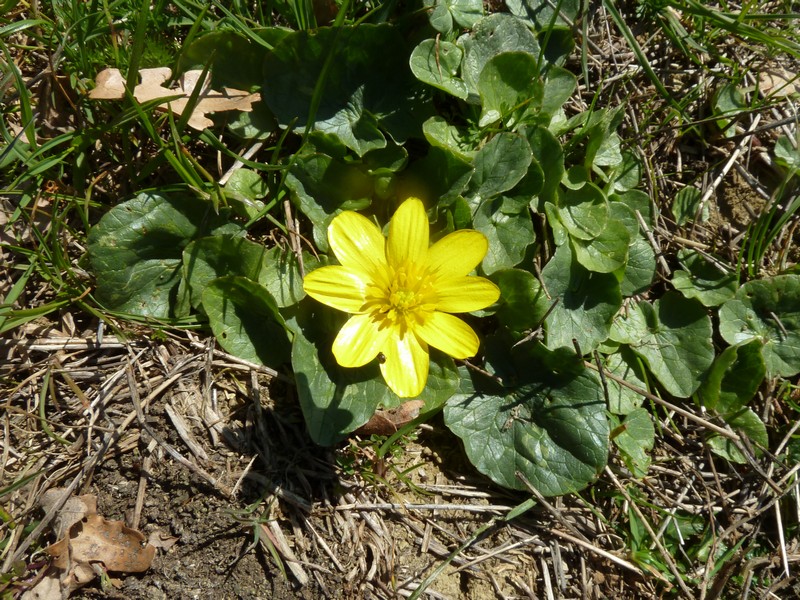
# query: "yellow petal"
[[408, 234], [406, 366], [337, 286], [449, 334], [458, 253], [465, 294], [358, 243], [359, 341]]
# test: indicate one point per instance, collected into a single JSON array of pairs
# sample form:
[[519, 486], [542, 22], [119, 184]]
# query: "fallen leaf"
[[110, 85], [73, 510], [387, 422], [88, 544], [159, 539], [117, 547], [778, 83]]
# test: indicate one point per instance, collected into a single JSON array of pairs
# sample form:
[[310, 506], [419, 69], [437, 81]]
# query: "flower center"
[[405, 301]]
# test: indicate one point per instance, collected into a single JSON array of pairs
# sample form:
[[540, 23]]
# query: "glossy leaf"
[[553, 430], [367, 91], [135, 251], [674, 339], [768, 310], [509, 234], [522, 302], [587, 302], [208, 258], [437, 63], [509, 88], [500, 165], [493, 34], [245, 320], [703, 280]]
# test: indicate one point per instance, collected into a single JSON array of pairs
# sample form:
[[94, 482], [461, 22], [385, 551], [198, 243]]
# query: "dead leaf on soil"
[[778, 83], [110, 85], [89, 544], [387, 422], [159, 539]]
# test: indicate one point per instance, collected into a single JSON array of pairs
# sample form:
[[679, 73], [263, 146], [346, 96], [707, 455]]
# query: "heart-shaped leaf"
[[245, 320], [769, 310], [553, 430], [587, 302], [135, 251]]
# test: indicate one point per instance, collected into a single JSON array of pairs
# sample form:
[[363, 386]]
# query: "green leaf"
[[729, 101], [587, 302], [553, 430], [281, 275], [324, 187], [436, 63], [135, 251], [500, 165], [640, 268], [208, 258], [543, 14], [606, 253], [733, 379], [559, 86], [336, 400], [464, 13], [686, 204], [245, 320], [509, 88], [509, 232], [703, 280], [522, 300], [441, 134], [244, 191], [440, 174], [367, 90], [492, 35], [584, 211], [256, 124], [676, 342], [635, 436], [768, 310], [621, 399], [236, 62], [787, 154], [745, 422], [627, 175], [550, 155]]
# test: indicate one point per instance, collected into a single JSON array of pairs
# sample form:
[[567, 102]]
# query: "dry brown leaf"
[[110, 85], [159, 539], [778, 83], [387, 422], [117, 547], [87, 542], [74, 509]]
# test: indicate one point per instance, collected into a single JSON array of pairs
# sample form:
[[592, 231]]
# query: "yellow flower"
[[401, 292]]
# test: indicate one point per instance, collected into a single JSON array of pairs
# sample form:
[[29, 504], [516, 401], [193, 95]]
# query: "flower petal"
[[408, 234], [359, 341], [337, 286], [465, 294], [458, 253], [358, 243], [449, 334], [406, 366]]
